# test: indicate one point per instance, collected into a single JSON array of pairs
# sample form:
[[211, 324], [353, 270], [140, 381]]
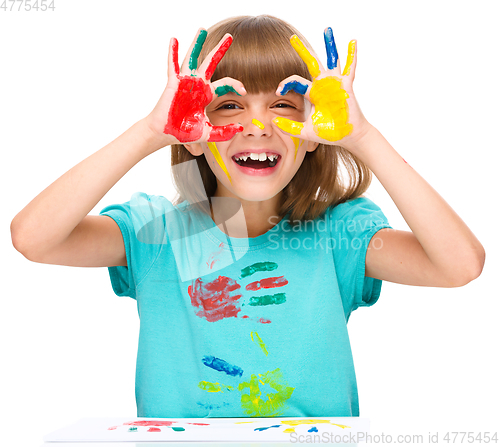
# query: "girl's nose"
[[258, 128]]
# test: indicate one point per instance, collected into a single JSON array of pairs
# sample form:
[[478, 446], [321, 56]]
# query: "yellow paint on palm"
[[296, 141], [257, 340], [350, 57], [214, 387], [273, 404], [305, 55], [258, 124], [330, 119], [293, 127], [218, 158]]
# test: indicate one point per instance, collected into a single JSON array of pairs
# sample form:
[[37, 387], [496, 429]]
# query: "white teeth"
[[253, 156]]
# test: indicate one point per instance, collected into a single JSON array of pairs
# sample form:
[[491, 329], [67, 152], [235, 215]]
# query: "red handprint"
[[222, 297], [189, 91]]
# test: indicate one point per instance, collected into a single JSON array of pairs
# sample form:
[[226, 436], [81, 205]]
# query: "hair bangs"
[[260, 56]]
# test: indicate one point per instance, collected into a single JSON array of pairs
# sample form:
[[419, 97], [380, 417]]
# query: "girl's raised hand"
[[180, 113], [335, 117]]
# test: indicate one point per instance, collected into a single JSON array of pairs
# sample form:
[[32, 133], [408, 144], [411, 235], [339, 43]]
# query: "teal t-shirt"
[[244, 327]]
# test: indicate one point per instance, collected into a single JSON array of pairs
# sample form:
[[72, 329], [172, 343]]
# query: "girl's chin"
[[255, 195]]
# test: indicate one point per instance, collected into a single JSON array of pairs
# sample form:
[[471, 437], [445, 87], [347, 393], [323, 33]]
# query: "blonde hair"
[[261, 57]]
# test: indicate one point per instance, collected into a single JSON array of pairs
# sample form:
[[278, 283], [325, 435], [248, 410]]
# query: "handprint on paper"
[[329, 119]]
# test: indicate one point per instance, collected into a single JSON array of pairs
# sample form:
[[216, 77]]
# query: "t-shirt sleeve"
[[353, 224], [141, 222]]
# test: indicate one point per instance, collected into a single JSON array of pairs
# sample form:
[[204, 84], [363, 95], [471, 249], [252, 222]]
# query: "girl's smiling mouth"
[[257, 163]]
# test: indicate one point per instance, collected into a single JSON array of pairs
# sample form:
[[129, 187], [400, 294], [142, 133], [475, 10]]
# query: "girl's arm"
[[440, 251], [54, 228]]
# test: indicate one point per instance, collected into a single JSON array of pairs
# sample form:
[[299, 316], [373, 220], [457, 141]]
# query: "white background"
[[74, 79]]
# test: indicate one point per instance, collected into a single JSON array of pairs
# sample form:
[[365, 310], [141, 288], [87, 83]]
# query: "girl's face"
[[254, 180]]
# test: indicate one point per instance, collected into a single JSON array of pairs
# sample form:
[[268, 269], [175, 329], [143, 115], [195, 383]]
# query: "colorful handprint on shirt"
[[223, 298], [255, 401], [330, 119]]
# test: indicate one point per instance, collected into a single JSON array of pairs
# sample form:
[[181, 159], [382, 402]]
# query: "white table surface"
[[106, 432], [181, 444], [161, 444]]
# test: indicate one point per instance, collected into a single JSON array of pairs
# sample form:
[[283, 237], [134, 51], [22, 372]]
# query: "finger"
[[332, 55], [173, 58], [193, 52], [296, 84], [289, 126], [228, 85], [211, 61], [350, 66], [224, 133], [313, 65]]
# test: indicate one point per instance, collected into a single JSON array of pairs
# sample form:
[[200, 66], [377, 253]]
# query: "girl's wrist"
[[374, 150], [363, 141], [153, 139]]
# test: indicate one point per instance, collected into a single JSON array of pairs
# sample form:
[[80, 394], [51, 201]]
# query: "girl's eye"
[[228, 106], [283, 105]]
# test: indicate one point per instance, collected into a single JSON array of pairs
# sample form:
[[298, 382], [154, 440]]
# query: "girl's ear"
[[194, 149], [311, 146]]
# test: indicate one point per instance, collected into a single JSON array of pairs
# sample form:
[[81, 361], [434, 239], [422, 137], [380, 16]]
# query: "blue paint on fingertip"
[[331, 49], [295, 86]]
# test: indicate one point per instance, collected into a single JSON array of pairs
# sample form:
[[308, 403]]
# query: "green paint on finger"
[[193, 59], [224, 89]]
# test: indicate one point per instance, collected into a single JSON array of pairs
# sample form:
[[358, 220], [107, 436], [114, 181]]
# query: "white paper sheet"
[[320, 430]]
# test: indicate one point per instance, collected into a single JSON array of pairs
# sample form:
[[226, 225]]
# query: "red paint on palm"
[[186, 117]]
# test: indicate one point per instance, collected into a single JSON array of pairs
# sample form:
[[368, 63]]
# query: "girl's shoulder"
[[357, 209]]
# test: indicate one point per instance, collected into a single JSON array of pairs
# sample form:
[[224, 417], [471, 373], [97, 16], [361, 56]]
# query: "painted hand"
[[335, 114], [180, 112]]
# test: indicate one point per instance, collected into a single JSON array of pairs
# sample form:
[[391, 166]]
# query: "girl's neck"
[[257, 218]]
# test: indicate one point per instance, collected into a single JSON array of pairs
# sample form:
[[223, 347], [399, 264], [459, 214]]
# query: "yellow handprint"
[[330, 119]]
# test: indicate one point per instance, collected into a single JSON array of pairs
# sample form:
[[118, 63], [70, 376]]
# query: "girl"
[[245, 284]]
